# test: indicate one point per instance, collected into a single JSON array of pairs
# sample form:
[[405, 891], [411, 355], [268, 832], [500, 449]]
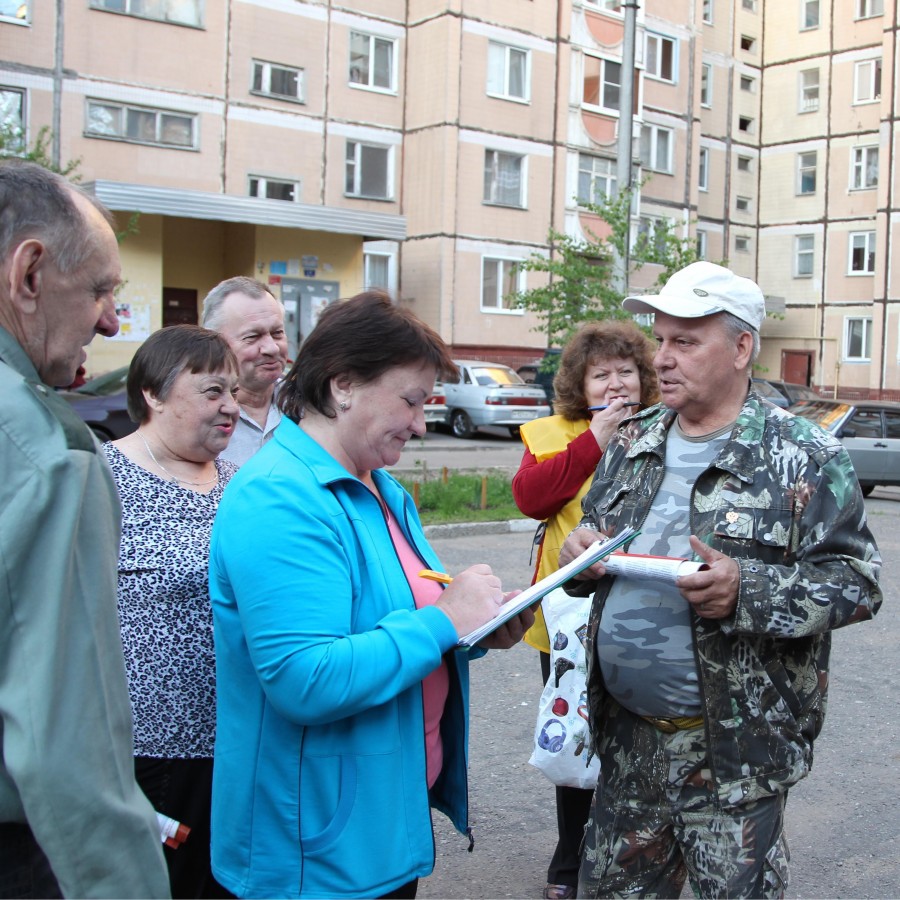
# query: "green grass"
[[459, 500]]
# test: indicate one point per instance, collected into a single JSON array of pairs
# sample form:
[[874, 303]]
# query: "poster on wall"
[[134, 321]]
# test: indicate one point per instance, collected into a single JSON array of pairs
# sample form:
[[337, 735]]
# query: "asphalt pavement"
[[842, 821]]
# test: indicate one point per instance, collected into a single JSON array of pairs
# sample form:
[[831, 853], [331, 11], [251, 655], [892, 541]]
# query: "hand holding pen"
[[605, 419]]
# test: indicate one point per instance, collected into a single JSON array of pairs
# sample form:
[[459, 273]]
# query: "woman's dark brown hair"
[[165, 355], [593, 343], [360, 338]]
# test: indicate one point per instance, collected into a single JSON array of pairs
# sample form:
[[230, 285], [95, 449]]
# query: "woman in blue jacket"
[[342, 699]]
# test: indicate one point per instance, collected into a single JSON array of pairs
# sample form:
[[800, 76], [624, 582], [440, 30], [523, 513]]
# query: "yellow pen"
[[431, 575]]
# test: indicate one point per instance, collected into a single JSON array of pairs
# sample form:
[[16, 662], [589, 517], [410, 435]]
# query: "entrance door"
[[304, 301], [796, 366], [179, 307]]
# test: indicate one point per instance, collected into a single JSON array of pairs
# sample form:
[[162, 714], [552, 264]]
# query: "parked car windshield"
[[104, 385], [488, 375], [826, 414]]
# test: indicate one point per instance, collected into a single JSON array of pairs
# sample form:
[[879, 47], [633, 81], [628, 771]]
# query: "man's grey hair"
[[213, 304], [734, 327], [37, 203]]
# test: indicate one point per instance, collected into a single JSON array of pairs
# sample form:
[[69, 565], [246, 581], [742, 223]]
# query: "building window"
[[368, 171], [745, 164], [274, 80], [748, 84], [372, 62], [749, 5], [652, 230], [742, 204], [609, 5], [862, 253], [745, 124], [140, 125], [857, 339], [504, 178], [806, 172], [501, 280], [702, 243], [706, 76], [867, 81], [656, 148], [179, 12], [866, 9], [741, 243], [18, 11], [804, 255], [809, 14], [508, 72], [274, 188], [707, 12], [748, 43], [377, 271], [703, 169], [602, 82], [12, 120], [660, 57], [864, 168], [809, 90], [596, 178]]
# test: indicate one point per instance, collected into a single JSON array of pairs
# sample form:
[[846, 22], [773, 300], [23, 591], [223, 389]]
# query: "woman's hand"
[[604, 422], [510, 633], [472, 598]]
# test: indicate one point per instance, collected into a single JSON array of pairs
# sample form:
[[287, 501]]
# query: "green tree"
[[13, 144], [582, 285]]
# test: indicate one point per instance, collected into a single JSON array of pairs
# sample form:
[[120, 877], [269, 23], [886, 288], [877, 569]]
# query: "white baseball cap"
[[702, 289]]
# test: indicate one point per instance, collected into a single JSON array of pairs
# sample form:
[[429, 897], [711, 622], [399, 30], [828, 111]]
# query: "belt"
[[679, 723]]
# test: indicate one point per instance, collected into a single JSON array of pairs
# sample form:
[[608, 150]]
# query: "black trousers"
[[24, 868], [573, 806], [182, 790]]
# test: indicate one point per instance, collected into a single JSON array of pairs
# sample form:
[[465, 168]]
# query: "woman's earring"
[[343, 406]]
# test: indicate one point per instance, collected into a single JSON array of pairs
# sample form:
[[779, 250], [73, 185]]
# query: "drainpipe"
[[626, 119]]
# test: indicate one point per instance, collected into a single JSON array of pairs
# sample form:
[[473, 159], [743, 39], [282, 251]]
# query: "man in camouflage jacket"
[[779, 519]]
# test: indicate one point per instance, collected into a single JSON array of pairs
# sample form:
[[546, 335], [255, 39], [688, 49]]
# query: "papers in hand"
[[651, 568], [532, 594]]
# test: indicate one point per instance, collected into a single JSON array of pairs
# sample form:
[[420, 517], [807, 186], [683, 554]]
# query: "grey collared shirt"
[[248, 437]]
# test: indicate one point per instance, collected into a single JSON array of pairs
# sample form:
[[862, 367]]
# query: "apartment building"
[[428, 146]]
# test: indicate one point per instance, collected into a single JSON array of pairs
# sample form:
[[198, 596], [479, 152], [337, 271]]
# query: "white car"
[[490, 393], [436, 407]]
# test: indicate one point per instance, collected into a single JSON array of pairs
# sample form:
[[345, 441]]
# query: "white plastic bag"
[[561, 730]]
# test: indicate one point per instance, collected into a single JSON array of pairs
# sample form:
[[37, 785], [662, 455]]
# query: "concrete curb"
[[465, 529]]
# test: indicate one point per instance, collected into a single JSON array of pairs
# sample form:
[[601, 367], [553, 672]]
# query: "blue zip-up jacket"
[[319, 785]]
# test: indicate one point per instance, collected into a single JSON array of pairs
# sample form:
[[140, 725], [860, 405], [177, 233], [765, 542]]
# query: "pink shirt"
[[436, 685]]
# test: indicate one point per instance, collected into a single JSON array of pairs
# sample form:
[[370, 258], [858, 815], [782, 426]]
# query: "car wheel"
[[867, 489], [513, 431], [461, 424]]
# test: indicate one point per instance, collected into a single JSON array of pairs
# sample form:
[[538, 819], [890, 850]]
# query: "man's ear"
[[25, 274], [744, 351]]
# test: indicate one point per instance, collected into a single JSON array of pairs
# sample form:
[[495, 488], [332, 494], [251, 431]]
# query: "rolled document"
[[652, 568]]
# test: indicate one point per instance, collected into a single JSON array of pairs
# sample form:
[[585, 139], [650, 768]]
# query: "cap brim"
[[682, 307]]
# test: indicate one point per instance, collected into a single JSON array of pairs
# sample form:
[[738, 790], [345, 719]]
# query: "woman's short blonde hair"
[[592, 343]]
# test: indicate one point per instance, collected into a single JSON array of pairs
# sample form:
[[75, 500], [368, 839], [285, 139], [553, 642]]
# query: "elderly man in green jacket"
[[706, 694], [73, 821]]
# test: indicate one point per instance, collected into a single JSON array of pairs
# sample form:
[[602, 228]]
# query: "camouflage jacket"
[[782, 499]]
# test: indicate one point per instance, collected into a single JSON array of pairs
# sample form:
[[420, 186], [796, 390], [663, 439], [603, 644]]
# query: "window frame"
[[523, 178], [860, 167], [266, 68], [751, 43], [373, 40], [869, 248], [751, 82], [801, 169], [804, 17], [602, 83], [808, 94], [20, 139], [658, 74], [750, 123], [742, 243], [702, 243], [748, 160], [874, 81], [742, 203], [654, 131], [703, 169], [864, 9], [266, 180], [706, 85], [865, 339], [505, 93], [358, 174], [595, 177], [707, 12], [127, 11], [647, 222], [519, 273], [804, 253], [126, 108]]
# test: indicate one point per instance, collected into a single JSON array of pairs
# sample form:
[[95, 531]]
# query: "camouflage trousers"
[[656, 819]]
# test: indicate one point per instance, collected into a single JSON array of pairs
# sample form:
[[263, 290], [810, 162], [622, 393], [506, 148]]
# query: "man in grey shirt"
[[73, 821], [252, 321]]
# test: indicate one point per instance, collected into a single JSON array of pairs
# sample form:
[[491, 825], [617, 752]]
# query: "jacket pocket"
[[748, 532], [327, 795]]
